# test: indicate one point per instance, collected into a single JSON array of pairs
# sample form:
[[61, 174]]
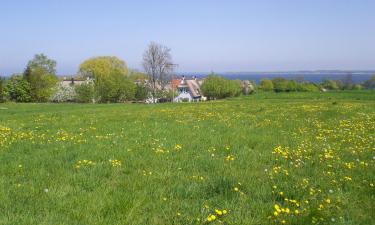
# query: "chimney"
[[183, 79]]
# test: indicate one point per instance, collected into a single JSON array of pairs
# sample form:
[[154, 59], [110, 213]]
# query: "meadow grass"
[[286, 158]]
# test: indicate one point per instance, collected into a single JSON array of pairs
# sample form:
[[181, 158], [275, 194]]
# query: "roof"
[[176, 83], [194, 87]]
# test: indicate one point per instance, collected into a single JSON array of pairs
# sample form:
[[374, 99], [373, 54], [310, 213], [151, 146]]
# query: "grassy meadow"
[[288, 158]]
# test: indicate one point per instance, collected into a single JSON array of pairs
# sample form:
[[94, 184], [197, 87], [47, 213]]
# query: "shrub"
[[280, 84], [218, 87], [266, 85], [357, 87], [64, 94], [84, 92], [141, 92], [114, 88], [309, 87], [292, 85], [18, 89], [233, 88], [330, 85], [248, 87]]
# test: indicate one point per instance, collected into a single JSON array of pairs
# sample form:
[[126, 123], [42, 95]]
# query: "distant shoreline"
[[312, 76]]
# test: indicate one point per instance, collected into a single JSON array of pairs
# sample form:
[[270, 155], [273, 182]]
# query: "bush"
[[266, 85], [114, 88], [248, 87], [233, 88], [18, 89], [64, 94], [357, 87], [84, 92], [293, 85], [280, 84], [308, 87], [284, 85], [330, 85], [141, 92], [218, 87]]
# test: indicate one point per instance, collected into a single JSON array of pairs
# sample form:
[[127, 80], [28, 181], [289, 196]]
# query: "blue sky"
[[204, 35]]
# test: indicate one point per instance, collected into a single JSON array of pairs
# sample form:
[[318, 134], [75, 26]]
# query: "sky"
[[204, 35]]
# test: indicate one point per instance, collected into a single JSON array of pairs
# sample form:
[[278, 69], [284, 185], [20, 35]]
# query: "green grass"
[[324, 167]]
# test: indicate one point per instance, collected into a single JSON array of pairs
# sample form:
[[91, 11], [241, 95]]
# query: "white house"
[[188, 89]]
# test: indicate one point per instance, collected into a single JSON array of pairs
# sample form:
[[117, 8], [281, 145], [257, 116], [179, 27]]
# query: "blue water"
[[312, 76]]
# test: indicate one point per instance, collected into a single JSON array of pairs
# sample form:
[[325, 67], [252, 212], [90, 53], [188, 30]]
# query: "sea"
[[312, 76]]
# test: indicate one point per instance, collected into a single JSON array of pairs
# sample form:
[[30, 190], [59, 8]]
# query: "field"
[[290, 158]]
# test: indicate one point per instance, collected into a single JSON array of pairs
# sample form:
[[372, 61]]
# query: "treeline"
[[284, 85], [108, 80], [217, 87], [103, 79]]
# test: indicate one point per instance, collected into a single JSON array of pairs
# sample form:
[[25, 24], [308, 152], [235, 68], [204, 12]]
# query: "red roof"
[[175, 83]]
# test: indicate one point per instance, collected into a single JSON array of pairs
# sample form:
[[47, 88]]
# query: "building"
[[71, 81], [188, 90]]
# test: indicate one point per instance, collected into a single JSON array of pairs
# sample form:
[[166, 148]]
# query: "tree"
[[266, 85], [137, 76], [41, 75], [114, 88], [84, 92], [215, 86], [157, 62], [18, 89], [41, 60], [212, 86], [110, 75], [102, 66]]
